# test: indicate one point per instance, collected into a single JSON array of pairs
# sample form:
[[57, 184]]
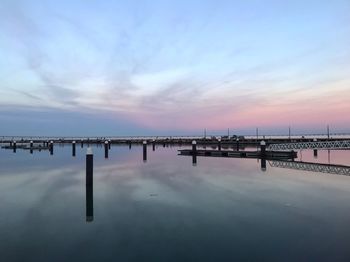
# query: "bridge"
[[340, 144], [313, 167]]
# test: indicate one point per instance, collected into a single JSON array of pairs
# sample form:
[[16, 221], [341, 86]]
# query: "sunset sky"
[[173, 67]]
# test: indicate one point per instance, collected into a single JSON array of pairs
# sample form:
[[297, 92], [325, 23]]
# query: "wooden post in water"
[[81, 143], [315, 150], [219, 143], [130, 144], [14, 146], [263, 149], [51, 147], [109, 144], [263, 155], [106, 149], [144, 151], [73, 148], [237, 144], [31, 147], [89, 166], [89, 185], [194, 146], [194, 153], [153, 145]]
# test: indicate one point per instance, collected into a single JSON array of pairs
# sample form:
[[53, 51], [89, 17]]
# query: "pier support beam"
[[219, 143], [237, 144], [14, 146]]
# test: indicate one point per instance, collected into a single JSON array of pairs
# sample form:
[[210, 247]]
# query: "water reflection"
[[166, 210], [89, 203]]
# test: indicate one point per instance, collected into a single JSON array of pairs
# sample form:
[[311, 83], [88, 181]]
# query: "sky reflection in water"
[[168, 210]]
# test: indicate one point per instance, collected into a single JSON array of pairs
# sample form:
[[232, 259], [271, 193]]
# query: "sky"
[[173, 67]]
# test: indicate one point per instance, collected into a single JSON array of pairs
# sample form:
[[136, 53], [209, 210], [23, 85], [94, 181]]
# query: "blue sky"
[[142, 67]]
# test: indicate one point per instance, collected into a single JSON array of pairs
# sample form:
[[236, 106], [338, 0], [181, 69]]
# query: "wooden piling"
[[31, 147], [73, 148], [263, 149], [89, 185], [144, 151], [106, 149], [194, 146], [51, 147]]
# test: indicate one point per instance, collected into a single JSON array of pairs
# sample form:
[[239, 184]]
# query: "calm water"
[[166, 209]]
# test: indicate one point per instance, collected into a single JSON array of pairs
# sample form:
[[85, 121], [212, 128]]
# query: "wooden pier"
[[240, 154]]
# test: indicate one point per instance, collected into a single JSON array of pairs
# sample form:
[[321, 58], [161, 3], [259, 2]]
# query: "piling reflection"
[[89, 203], [194, 160], [263, 164]]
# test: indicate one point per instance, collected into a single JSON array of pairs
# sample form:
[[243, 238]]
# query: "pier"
[[240, 154]]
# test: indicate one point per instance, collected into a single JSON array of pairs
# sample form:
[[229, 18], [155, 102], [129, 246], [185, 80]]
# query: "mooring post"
[[14, 146], [164, 144], [130, 144], [237, 144], [315, 150], [31, 147], [109, 144], [106, 149], [51, 147], [263, 149], [219, 143], [194, 146], [263, 155], [73, 148], [144, 151], [194, 153], [153, 145], [81, 143], [89, 185], [89, 166]]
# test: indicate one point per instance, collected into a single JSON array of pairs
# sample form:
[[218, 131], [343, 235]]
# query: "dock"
[[240, 154]]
